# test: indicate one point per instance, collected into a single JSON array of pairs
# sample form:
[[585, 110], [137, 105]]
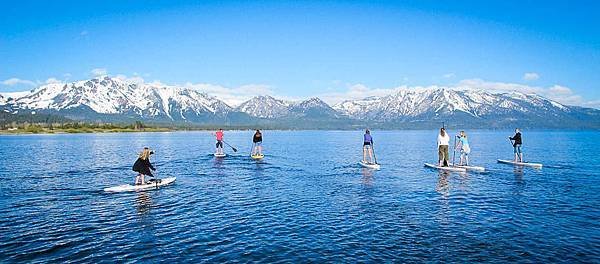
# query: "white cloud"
[[52, 80], [449, 75], [233, 96], [356, 91], [135, 79], [530, 76], [17, 81], [99, 72]]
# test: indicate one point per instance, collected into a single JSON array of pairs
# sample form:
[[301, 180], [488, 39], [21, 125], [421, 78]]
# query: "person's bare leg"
[[143, 180], [259, 150], [521, 156], [371, 159], [364, 155]]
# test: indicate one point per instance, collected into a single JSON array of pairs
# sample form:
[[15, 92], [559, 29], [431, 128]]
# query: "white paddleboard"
[[257, 157], [150, 185], [473, 168], [370, 165], [528, 164], [220, 155], [449, 168]]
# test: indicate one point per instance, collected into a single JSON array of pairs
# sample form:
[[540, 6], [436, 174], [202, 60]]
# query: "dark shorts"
[[219, 144], [518, 149], [367, 144]]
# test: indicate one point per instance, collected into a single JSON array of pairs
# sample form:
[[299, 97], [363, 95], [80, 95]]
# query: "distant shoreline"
[[21, 131], [17, 132]]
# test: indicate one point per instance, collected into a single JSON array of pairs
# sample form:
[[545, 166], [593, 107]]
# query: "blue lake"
[[307, 201]]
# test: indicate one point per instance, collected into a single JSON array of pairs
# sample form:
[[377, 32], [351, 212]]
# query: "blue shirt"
[[464, 141], [368, 138]]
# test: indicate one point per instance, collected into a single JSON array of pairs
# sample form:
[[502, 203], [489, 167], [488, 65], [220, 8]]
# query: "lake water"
[[307, 201]]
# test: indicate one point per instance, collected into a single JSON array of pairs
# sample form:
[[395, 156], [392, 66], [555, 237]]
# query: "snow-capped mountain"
[[112, 96], [114, 99], [265, 107], [443, 103], [269, 107], [314, 108]]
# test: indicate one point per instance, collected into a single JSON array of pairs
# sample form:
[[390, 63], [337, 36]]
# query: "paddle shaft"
[[234, 149], [373, 149], [454, 151]]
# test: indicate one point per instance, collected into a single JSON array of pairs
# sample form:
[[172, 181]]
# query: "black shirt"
[[257, 138], [517, 139], [143, 166]]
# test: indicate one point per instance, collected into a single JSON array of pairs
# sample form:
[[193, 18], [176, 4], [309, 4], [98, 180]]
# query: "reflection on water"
[[518, 170], [310, 203], [443, 187], [367, 176], [143, 203]]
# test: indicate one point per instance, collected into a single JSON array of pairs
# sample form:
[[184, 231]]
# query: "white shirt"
[[443, 141]]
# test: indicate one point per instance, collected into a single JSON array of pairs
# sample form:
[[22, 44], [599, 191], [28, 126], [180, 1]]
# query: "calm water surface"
[[307, 201]]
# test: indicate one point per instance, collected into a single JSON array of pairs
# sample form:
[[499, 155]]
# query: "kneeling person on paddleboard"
[[257, 140], [518, 141], [368, 147], [143, 166], [443, 141]]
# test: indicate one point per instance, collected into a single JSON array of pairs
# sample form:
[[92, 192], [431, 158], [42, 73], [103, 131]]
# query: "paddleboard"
[[220, 155], [257, 157], [528, 164], [148, 185], [370, 165], [449, 168], [473, 168]]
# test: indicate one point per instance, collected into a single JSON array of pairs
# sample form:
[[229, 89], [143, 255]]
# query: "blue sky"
[[301, 49]]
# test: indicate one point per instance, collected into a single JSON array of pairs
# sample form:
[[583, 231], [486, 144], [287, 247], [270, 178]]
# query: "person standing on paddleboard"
[[257, 140], [442, 141], [219, 135], [368, 147], [517, 145], [465, 149], [143, 166]]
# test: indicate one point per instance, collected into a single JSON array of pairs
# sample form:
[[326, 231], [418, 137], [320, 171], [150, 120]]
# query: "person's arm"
[[150, 165]]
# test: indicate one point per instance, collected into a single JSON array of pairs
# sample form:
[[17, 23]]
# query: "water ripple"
[[305, 202]]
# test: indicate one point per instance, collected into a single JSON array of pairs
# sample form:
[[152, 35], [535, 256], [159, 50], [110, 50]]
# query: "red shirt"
[[219, 135]]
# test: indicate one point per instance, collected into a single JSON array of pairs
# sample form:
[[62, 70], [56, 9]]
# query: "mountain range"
[[106, 99]]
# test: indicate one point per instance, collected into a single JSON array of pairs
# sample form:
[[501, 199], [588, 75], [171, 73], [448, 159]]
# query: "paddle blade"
[[234, 149]]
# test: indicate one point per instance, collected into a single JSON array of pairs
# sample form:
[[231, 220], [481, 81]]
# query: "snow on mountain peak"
[[264, 106], [106, 95], [441, 101]]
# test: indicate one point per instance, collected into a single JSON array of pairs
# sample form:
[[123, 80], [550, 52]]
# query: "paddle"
[[454, 151], [234, 149], [373, 149], [517, 158]]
